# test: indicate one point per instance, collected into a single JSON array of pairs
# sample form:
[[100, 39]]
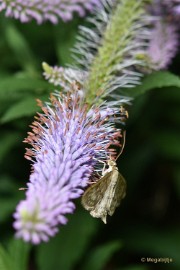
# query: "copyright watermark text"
[[156, 260]]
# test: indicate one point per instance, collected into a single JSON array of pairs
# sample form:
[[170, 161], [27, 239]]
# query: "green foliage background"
[[147, 223]]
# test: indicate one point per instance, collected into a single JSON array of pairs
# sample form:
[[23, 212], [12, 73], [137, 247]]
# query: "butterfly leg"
[[104, 169], [91, 182], [104, 165]]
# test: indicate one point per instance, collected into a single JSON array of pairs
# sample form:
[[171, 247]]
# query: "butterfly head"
[[111, 163]]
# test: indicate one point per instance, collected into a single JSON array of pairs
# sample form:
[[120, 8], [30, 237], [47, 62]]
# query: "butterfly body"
[[102, 197]]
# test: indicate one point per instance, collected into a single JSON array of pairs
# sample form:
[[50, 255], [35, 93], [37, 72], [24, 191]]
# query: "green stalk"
[[119, 34]]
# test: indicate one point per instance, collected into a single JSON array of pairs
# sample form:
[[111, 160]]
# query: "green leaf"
[[25, 107], [7, 184], [152, 242], [7, 141], [167, 143], [68, 247], [154, 80], [7, 207], [19, 253], [101, 255], [65, 42], [5, 261], [9, 196], [13, 87], [20, 47], [135, 267], [176, 174], [172, 94], [16, 257]]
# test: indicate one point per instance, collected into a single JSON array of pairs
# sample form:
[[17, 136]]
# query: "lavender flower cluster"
[[68, 139], [46, 10]]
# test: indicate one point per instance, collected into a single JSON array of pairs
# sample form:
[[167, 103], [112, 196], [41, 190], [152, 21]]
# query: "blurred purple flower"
[[164, 39], [68, 140], [46, 10], [165, 8], [163, 44], [173, 7]]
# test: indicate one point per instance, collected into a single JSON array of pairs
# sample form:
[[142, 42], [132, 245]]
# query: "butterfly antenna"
[[124, 141]]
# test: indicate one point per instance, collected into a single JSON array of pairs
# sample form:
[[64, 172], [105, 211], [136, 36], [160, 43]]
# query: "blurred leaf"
[[7, 184], [176, 173], [152, 81], [134, 267], [20, 47], [5, 262], [67, 248], [19, 253], [25, 107], [7, 207], [13, 87], [136, 110], [171, 94], [8, 197], [143, 156], [153, 242], [168, 143], [98, 258], [65, 42], [7, 141], [173, 115], [17, 256]]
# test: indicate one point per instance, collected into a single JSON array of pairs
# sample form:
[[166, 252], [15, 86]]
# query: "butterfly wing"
[[94, 194], [103, 197], [118, 194]]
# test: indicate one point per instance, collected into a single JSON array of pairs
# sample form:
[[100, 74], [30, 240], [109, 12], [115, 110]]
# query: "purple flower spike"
[[46, 10], [164, 39], [68, 139], [163, 45]]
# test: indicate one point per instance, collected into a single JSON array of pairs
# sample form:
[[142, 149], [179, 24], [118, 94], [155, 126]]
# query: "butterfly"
[[102, 197]]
